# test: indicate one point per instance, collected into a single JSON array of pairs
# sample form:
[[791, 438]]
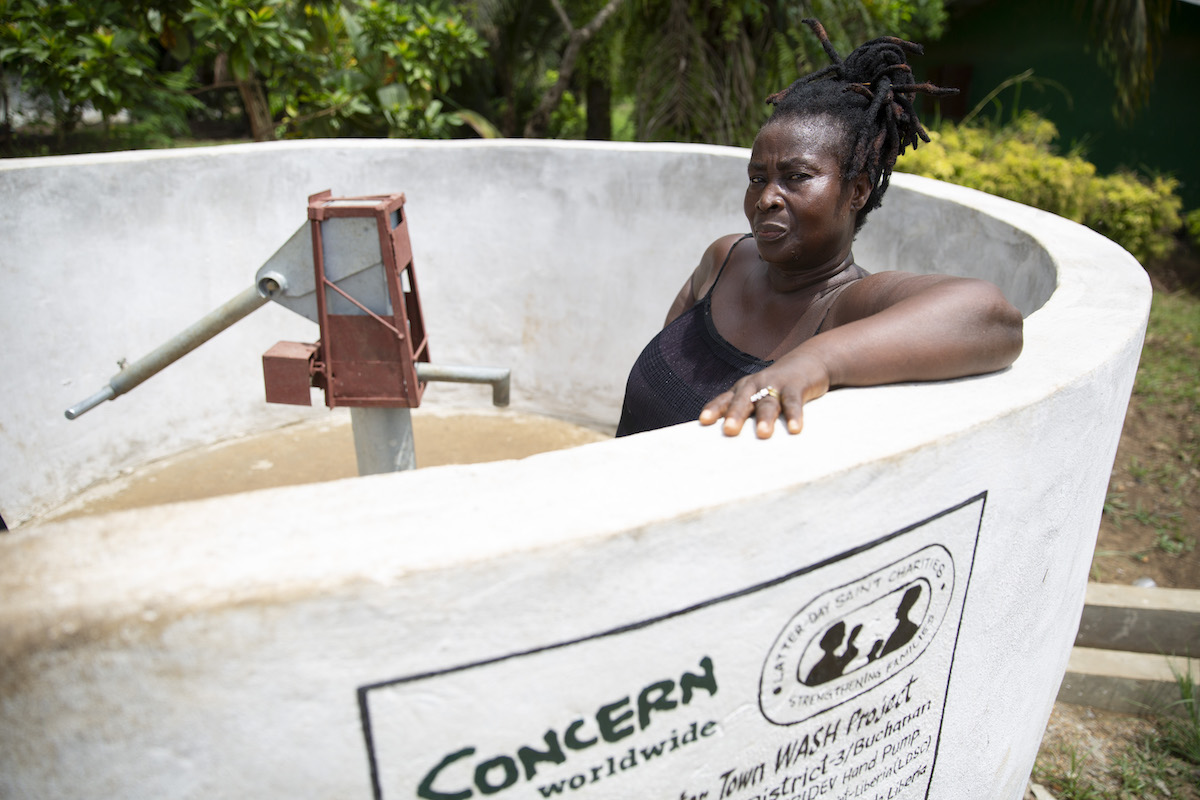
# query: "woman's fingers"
[[793, 411], [766, 410], [715, 409], [734, 406], [765, 403]]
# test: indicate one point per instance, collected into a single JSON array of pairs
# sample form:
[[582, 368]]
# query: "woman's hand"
[[796, 378]]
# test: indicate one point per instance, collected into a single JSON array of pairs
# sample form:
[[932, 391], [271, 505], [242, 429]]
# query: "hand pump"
[[350, 270]]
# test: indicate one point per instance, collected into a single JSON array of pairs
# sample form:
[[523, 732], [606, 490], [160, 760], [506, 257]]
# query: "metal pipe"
[[498, 377], [383, 437], [99, 397], [179, 345], [383, 440]]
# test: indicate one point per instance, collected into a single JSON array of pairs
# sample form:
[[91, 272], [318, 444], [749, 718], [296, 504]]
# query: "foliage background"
[[1018, 161], [159, 72]]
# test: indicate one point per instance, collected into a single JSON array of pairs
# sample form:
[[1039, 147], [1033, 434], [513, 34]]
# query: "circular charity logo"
[[850, 639]]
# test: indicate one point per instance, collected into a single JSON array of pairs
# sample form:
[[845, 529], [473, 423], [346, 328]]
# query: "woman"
[[763, 327]]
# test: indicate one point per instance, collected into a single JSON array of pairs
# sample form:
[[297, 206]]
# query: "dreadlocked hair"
[[870, 94]]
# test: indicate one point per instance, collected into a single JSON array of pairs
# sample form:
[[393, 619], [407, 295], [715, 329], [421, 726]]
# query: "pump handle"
[[180, 345]]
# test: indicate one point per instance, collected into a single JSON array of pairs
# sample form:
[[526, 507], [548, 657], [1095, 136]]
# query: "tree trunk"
[[539, 121], [599, 110], [7, 130], [258, 113]]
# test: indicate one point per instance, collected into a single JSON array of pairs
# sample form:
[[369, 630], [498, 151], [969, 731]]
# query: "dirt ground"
[[1154, 492], [1127, 550]]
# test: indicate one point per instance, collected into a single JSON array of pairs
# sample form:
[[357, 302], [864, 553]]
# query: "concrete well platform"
[[883, 606]]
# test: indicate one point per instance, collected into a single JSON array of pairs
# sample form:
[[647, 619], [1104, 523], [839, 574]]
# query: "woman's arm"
[[886, 328]]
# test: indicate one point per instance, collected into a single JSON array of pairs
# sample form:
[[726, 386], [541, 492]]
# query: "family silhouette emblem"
[[832, 665]]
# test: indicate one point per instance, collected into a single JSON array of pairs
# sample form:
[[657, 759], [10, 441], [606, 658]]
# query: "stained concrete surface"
[[322, 450]]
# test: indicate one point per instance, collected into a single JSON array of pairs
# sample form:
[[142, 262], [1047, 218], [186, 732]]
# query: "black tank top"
[[689, 363]]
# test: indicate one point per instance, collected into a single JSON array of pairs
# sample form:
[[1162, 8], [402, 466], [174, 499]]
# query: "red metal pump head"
[[367, 305]]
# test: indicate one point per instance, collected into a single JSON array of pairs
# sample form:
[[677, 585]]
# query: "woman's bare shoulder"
[[703, 276], [710, 263]]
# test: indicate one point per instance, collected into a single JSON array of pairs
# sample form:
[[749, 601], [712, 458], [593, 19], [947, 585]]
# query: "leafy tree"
[[699, 69], [373, 68], [405, 57], [99, 53], [257, 37], [368, 68], [694, 70], [523, 40]]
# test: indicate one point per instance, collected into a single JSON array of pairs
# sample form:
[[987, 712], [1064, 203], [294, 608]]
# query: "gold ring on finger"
[[764, 392]]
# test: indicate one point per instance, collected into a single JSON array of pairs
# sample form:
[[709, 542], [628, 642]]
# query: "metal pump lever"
[[233, 311], [175, 348]]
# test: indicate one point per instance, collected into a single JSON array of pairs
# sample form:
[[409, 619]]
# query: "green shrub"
[[1017, 162], [1191, 221], [1139, 215]]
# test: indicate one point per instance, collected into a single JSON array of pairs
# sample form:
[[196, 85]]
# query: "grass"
[[1166, 526], [1137, 770], [1170, 367], [1161, 764], [1159, 761], [1072, 783], [1155, 491], [1181, 720]]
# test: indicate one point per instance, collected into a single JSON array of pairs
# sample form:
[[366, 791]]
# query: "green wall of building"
[[989, 42]]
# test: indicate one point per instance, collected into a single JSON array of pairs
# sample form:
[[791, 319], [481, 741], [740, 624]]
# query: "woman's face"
[[800, 209]]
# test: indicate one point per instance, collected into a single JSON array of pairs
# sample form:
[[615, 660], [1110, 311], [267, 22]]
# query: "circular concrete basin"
[[882, 606]]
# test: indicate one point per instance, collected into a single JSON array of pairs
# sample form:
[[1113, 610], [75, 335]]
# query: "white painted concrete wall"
[[529, 257], [343, 640]]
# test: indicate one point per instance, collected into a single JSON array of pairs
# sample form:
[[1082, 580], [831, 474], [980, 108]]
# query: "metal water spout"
[[350, 270]]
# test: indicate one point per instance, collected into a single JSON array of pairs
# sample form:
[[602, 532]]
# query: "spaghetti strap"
[[708, 294]]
